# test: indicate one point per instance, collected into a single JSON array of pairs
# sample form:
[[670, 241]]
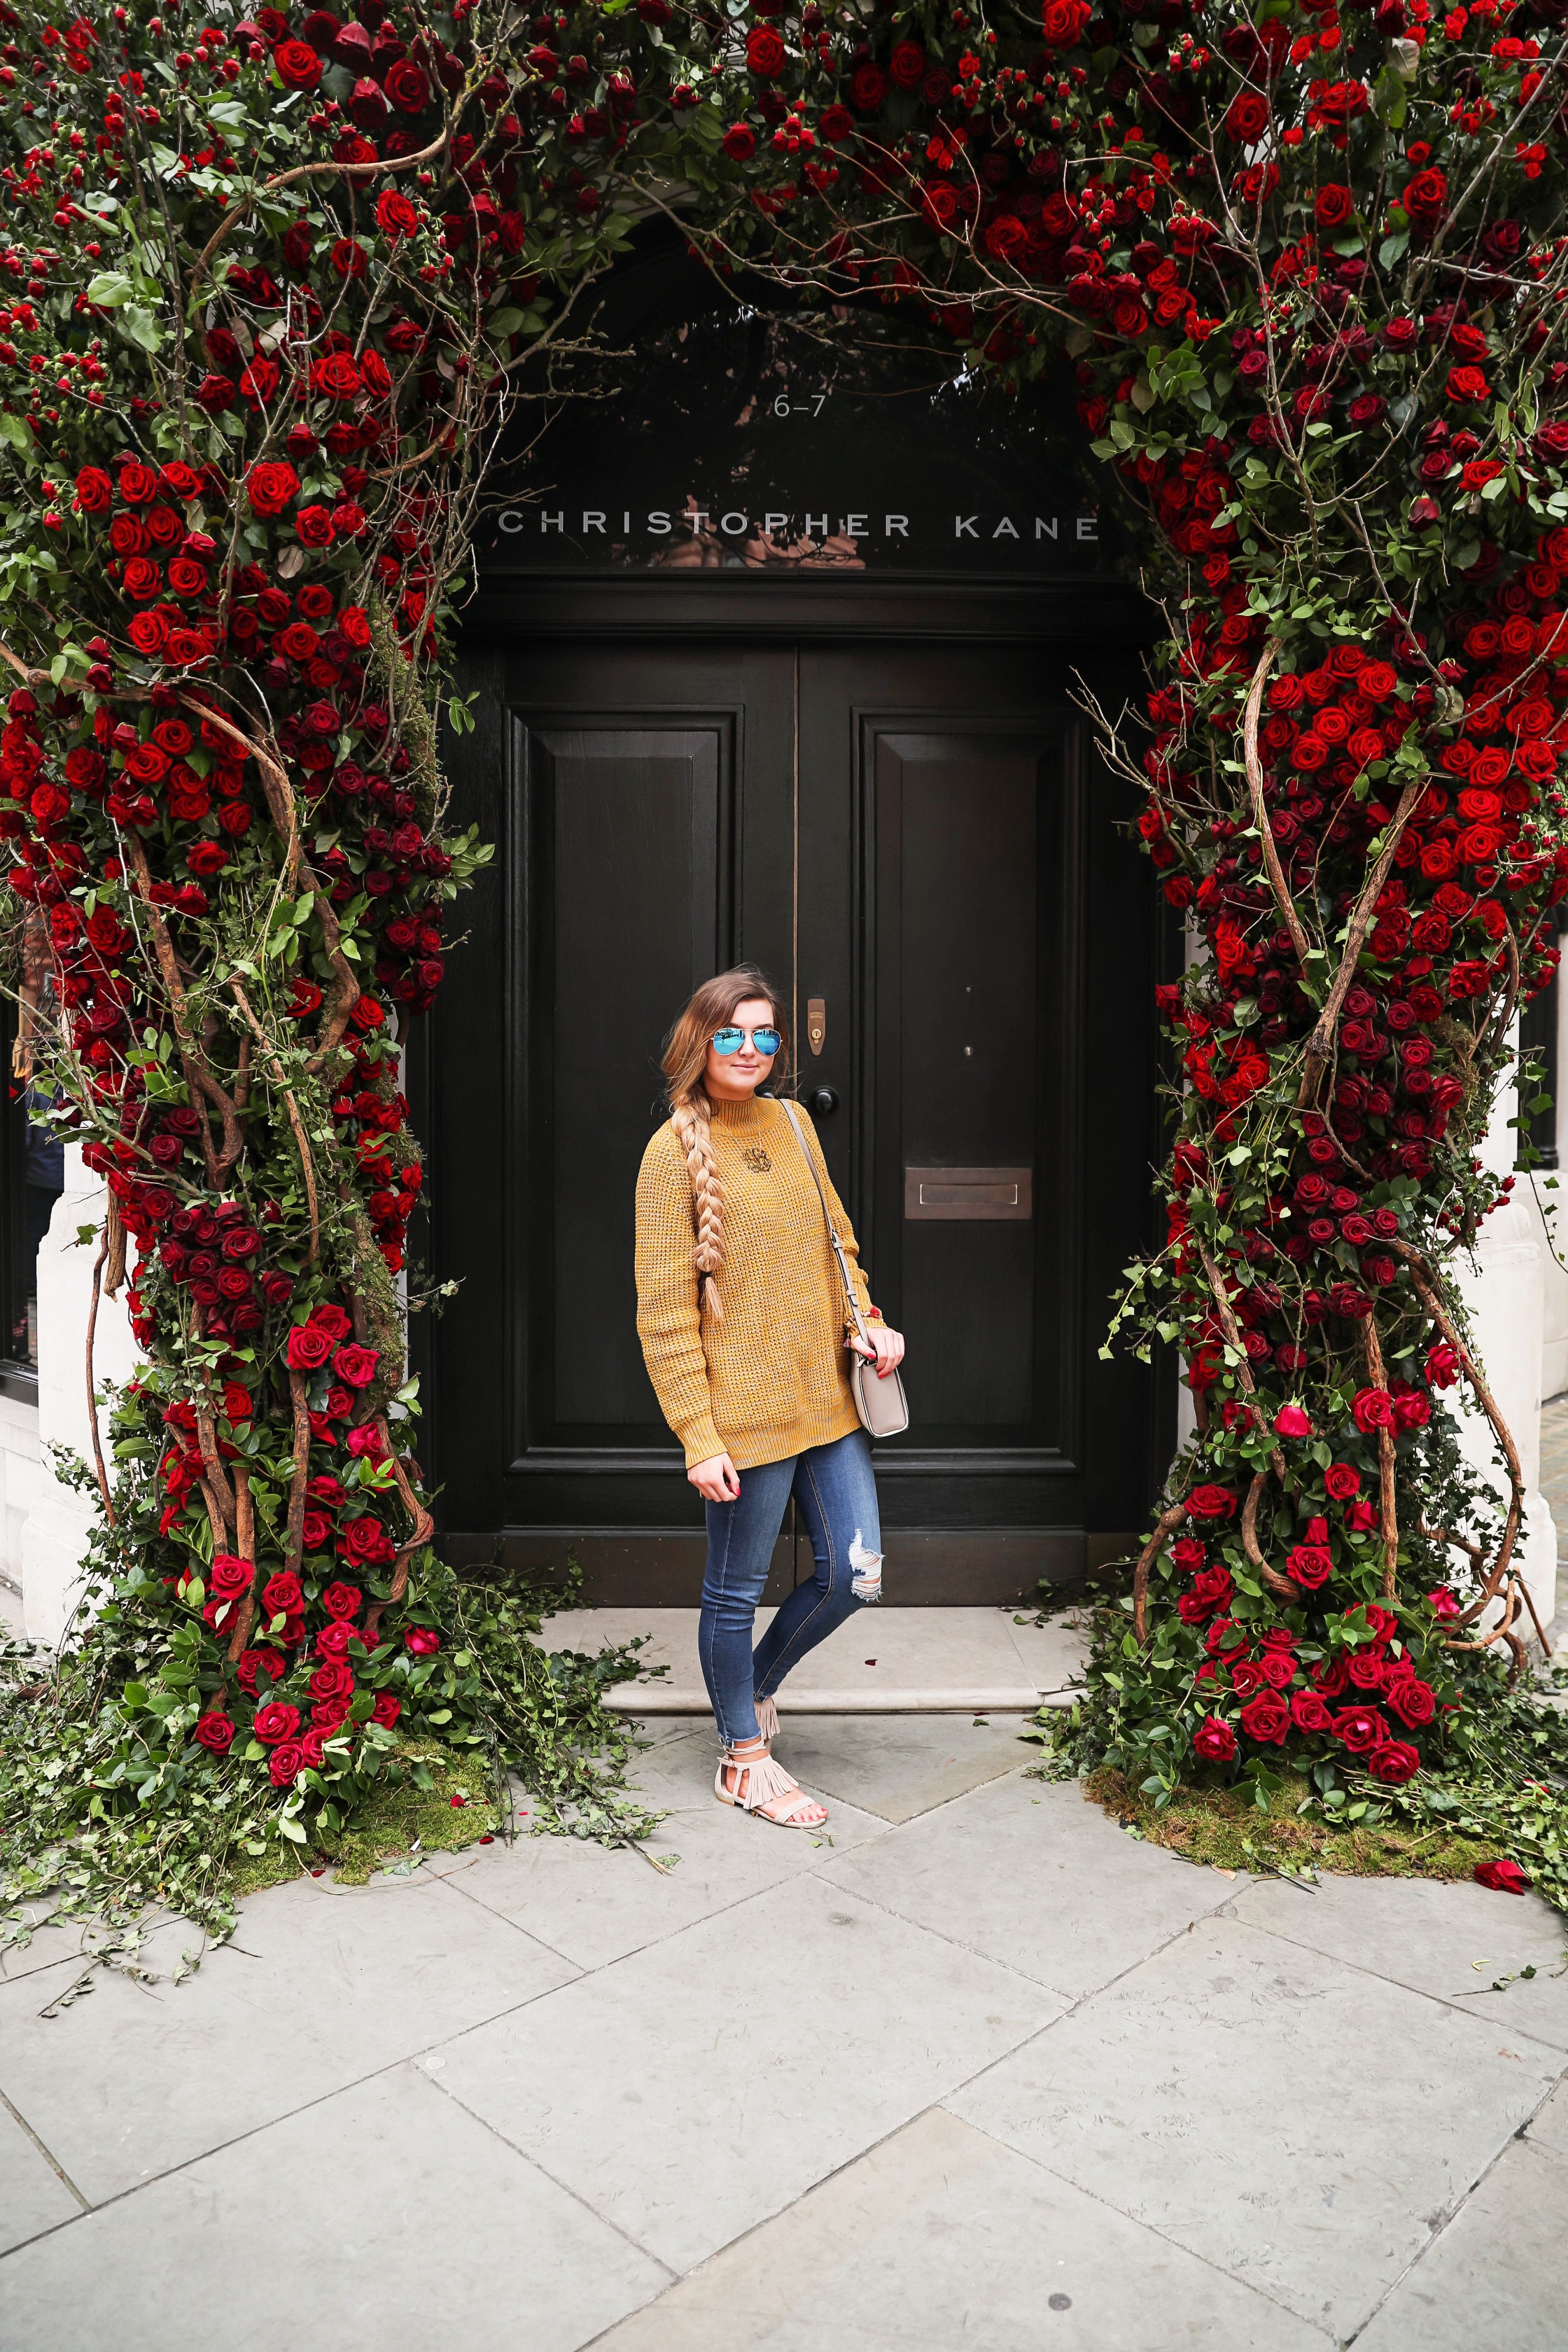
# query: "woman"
[[744, 1324]]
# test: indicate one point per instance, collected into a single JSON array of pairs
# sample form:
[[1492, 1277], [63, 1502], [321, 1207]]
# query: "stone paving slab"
[[319, 1988], [694, 2089], [1302, 2125], [33, 2197], [1028, 1872], [1449, 1939], [1551, 2126], [595, 1906], [941, 2237], [1495, 2280], [900, 1766], [382, 2220]]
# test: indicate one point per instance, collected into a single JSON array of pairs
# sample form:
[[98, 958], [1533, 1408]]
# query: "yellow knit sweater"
[[772, 1379]]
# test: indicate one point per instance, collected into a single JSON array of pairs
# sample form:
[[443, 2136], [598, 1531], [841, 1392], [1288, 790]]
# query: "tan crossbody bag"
[[881, 1404]]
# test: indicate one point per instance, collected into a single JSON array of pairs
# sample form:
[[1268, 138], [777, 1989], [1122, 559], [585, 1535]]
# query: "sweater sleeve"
[[845, 1230], [668, 1323]]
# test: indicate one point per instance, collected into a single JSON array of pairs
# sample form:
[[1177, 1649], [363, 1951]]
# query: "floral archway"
[[272, 288]]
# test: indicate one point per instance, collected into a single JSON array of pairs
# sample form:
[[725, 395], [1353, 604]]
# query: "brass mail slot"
[[994, 1194]]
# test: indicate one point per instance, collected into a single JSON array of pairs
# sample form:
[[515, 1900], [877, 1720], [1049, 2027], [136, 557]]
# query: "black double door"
[[914, 843]]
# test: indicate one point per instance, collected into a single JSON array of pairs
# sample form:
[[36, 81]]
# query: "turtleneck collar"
[[748, 1113]]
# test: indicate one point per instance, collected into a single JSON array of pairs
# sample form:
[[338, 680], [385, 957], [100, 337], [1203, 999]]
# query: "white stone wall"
[[51, 1538]]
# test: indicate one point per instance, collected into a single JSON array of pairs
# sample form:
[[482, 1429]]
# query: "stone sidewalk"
[[981, 2072]]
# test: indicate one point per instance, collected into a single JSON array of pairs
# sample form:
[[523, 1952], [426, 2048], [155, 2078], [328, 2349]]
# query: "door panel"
[[625, 828], [910, 836]]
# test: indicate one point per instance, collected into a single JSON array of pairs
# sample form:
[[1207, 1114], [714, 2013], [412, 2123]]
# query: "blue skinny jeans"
[[836, 1493]]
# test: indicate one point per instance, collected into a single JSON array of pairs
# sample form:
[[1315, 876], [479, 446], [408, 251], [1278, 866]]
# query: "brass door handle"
[[817, 1023]]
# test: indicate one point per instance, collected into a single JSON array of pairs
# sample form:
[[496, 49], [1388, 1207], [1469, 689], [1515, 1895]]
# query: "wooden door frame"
[[1104, 623]]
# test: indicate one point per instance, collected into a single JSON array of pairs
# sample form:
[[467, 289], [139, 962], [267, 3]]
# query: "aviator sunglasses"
[[730, 1040]]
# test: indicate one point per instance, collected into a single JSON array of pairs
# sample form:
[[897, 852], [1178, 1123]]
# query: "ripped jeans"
[[836, 1491]]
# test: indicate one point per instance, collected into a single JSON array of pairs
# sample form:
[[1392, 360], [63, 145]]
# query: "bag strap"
[[832, 1231]]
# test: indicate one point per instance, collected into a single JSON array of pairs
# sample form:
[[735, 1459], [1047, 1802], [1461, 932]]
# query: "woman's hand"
[[717, 1480], [886, 1346]]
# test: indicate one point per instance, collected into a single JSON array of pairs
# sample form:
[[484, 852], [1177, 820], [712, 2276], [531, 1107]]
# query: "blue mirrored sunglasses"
[[730, 1040]]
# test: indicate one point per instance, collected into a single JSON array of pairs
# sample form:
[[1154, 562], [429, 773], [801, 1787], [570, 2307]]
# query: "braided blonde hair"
[[685, 1066]]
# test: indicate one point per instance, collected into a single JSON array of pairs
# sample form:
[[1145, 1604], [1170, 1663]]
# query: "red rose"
[[143, 580], [1310, 1566], [332, 1641], [835, 125], [1308, 1712], [334, 1678], [333, 1321], [1443, 1603], [297, 643], [386, 1709], [1372, 1408], [1212, 1503], [215, 1732], [407, 87], [349, 521], [229, 1575], [138, 484], [269, 486], [298, 65], [1248, 117], [1062, 23], [765, 53], [1394, 1761], [348, 258], [867, 89], [1334, 206], [342, 1599], [907, 65], [1426, 198], [420, 1641], [287, 1760], [356, 1366], [1267, 1718], [94, 490], [394, 216], [276, 1721], [282, 1595], [329, 1714], [335, 375], [1412, 1701], [366, 1540], [1291, 1421], [1361, 1728], [1341, 1481], [1215, 1740], [309, 1348], [315, 1530], [1503, 1876], [740, 142], [314, 527]]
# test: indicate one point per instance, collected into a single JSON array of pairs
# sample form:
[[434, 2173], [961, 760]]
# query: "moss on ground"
[[1224, 1828], [402, 1823]]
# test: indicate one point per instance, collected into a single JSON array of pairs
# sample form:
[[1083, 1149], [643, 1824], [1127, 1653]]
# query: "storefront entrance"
[[877, 784]]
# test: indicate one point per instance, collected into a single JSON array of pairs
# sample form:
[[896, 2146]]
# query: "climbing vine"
[[273, 287]]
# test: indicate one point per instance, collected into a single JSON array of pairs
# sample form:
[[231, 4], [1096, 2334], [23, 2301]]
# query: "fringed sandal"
[[767, 1719], [765, 1789]]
